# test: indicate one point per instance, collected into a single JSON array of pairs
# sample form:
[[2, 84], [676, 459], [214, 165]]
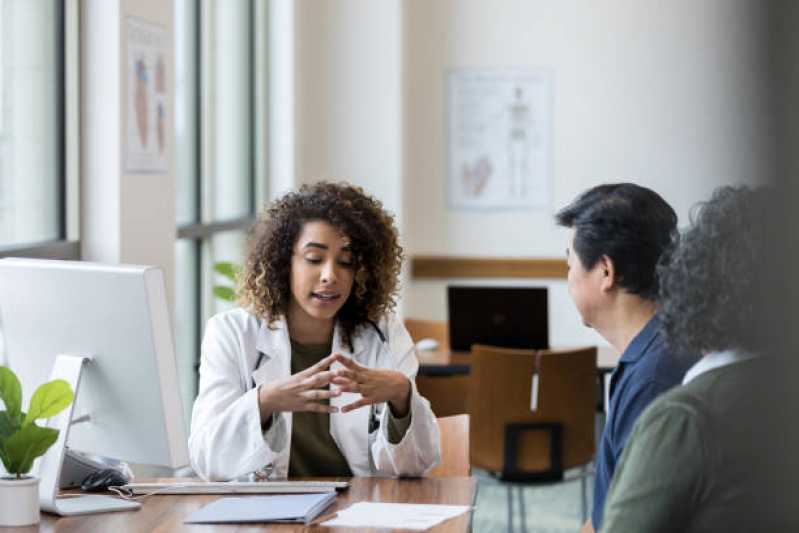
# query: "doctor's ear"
[[608, 270]]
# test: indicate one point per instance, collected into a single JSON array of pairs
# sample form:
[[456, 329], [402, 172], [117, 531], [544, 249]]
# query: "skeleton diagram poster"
[[500, 138], [146, 97]]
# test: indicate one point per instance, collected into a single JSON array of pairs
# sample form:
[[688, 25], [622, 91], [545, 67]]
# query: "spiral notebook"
[[293, 508]]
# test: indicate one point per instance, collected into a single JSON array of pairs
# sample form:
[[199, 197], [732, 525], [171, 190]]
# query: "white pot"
[[19, 501]]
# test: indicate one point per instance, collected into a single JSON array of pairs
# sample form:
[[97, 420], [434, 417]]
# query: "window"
[[38, 107], [33, 122], [219, 116]]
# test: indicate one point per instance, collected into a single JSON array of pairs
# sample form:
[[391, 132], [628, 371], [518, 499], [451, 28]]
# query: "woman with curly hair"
[[314, 375], [719, 452]]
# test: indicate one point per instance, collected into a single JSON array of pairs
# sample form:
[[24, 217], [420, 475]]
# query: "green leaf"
[[26, 445], [224, 293], [49, 400], [5, 427], [6, 460], [10, 391], [229, 270]]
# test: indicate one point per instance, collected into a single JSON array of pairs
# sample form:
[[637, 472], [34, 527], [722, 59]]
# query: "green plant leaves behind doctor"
[[230, 271], [21, 440]]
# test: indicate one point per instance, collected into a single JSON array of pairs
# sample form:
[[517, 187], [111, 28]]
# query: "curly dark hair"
[[264, 282], [716, 286]]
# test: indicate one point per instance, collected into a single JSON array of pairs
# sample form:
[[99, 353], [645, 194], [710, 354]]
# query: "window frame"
[[67, 244], [200, 232]]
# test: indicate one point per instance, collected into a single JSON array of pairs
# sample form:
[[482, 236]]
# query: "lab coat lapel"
[[275, 346]]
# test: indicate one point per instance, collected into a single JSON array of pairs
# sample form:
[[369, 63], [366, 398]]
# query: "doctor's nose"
[[329, 274]]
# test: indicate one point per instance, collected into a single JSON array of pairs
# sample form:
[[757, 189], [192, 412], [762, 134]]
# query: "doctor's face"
[[322, 272]]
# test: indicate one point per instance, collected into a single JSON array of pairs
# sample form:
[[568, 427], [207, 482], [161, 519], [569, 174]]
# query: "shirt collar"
[[715, 360], [641, 342]]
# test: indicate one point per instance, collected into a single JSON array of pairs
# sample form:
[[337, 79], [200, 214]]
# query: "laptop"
[[509, 317]]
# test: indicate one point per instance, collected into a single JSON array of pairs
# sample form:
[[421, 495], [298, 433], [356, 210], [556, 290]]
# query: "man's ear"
[[608, 273]]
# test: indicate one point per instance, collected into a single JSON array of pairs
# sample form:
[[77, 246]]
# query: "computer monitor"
[[127, 396], [510, 317]]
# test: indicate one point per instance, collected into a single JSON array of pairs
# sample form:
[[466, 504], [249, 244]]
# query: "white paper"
[[395, 515]]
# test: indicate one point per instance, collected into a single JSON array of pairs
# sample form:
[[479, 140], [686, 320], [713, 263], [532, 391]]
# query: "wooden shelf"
[[487, 267]]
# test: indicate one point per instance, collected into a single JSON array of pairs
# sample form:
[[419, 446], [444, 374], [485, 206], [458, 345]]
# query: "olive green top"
[[717, 454], [313, 452]]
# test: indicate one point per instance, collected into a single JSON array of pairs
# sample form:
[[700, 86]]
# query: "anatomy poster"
[[500, 138], [146, 97]]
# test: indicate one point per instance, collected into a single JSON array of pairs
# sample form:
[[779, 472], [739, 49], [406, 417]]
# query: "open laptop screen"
[[510, 317]]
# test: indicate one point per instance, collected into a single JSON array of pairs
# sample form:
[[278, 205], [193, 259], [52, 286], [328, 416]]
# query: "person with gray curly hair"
[[713, 454]]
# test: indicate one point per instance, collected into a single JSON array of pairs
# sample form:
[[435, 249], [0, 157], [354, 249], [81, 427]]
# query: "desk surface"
[[166, 513], [431, 361]]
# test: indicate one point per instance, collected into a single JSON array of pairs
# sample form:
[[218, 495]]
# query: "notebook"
[[295, 508], [508, 317]]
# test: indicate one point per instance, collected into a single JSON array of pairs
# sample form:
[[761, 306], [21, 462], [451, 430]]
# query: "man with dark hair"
[[719, 453], [618, 233]]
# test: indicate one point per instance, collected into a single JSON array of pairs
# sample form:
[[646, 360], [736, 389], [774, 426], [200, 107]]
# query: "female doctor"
[[313, 375]]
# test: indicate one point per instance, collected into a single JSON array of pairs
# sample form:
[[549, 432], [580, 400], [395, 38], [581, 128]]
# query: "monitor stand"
[[69, 368]]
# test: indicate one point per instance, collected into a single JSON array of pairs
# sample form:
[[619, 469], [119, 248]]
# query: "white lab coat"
[[226, 440]]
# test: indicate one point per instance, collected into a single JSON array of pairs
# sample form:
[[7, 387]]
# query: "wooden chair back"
[[445, 393], [454, 447], [501, 392]]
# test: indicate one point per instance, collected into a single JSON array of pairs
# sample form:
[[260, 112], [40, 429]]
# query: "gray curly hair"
[[716, 282]]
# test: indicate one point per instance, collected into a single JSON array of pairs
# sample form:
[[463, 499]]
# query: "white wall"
[[348, 95], [126, 217], [670, 95]]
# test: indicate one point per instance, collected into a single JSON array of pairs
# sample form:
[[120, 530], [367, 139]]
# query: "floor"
[[550, 508]]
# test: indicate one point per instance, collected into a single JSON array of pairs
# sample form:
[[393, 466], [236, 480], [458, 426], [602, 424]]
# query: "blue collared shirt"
[[646, 369]]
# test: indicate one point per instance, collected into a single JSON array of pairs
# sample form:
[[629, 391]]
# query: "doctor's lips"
[[325, 297]]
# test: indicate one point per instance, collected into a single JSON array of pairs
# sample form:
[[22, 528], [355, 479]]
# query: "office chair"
[[445, 391], [454, 447], [532, 415]]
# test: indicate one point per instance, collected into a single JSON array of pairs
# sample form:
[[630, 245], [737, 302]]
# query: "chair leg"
[[521, 509], [510, 508], [584, 484]]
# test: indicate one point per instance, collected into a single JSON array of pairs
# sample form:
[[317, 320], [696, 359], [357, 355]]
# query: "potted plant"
[[22, 441]]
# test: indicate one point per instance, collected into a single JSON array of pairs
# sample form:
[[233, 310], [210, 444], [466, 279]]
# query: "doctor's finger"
[[346, 385], [320, 407], [343, 380], [358, 377], [321, 394], [318, 380], [321, 365], [351, 365], [356, 405]]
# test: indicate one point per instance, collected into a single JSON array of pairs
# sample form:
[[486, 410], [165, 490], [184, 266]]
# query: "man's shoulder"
[[662, 365]]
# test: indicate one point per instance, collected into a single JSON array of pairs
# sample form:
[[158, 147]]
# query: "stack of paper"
[[300, 508], [395, 515]]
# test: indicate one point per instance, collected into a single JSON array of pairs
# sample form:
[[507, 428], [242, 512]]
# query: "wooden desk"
[[166, 513]]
